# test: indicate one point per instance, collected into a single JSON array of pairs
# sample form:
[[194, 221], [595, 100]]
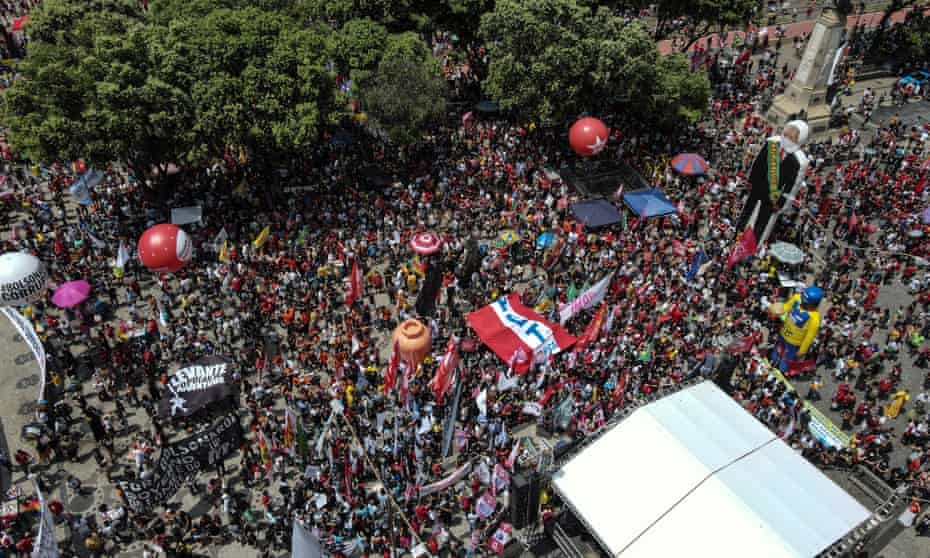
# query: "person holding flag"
[[354, 292]]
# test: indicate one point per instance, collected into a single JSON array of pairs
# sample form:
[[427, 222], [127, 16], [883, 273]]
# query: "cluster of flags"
[[442, 382]]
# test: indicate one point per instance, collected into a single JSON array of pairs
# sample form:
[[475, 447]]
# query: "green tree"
[[552, 59], [405, 95], [706, 15], [89, 90], [256, 79], [359, 46], [105, 81]]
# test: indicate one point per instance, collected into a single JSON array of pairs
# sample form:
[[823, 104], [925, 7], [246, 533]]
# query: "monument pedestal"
[[806, 95]]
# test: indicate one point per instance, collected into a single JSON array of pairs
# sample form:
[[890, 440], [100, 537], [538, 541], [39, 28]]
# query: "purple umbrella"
[[70, 294], [690, 164]]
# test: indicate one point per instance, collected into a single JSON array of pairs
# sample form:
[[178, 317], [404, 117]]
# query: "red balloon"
[[165, 248], [588, 136]]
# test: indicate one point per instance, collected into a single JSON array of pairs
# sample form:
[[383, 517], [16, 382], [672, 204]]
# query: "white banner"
[[186, 215], [45, 545], [28, 333], [304, 543], [447, 482], [585, 300]]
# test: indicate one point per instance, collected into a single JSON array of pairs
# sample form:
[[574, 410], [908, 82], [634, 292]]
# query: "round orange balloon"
[[414, 339]]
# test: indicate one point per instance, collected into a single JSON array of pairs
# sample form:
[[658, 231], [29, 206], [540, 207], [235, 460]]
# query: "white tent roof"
[[694, 474]]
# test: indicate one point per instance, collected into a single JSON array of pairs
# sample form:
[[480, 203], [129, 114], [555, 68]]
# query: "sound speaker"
[[723, 376], [562, 448], [524, 499]]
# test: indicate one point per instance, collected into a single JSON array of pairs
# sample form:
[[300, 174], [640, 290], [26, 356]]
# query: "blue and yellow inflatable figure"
[[800, 327]]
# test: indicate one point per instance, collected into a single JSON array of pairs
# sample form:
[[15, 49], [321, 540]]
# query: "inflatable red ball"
[[165, 248], [588, 136]]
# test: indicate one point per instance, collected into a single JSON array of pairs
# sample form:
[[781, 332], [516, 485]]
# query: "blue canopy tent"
[[595, 214], [649, 202]]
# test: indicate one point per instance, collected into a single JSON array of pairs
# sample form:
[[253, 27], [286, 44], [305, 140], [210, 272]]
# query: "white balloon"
[[23, 279]]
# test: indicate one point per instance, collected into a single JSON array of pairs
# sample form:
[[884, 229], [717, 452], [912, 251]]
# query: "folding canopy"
[[649, 202], [595, 214], [694, 474]]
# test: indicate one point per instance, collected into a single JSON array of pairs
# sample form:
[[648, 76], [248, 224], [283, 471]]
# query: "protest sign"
[[182, 460]]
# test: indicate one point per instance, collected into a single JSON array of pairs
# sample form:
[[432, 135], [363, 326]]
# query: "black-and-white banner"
[[29, 335], [195, 386], [45, 545], [182, 460]]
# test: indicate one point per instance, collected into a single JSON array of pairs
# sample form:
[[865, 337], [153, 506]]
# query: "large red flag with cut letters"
[[506, 325]]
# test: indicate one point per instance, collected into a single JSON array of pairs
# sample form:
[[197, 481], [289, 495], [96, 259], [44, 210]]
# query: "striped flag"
[[699, 260], [290, 438], [442, 382], [264, 452]]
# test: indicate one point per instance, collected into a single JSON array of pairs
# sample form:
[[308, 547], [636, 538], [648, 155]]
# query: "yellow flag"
[[224, 252], [262, 237]]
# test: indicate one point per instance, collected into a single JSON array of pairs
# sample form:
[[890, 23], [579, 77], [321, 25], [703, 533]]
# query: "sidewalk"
[[792, 30]]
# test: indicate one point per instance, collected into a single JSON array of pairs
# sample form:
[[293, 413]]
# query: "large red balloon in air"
[[588, 136], [165, 248]]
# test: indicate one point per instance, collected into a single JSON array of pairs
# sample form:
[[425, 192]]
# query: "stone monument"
[[806, 96]]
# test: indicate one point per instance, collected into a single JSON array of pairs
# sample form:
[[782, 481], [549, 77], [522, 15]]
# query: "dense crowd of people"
[[278, 311]]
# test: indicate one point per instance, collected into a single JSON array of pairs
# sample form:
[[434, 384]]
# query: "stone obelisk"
[[806, 95]]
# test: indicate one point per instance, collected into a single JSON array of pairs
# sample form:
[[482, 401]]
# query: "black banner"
[[182, 460], [426, 302], [195, 386]]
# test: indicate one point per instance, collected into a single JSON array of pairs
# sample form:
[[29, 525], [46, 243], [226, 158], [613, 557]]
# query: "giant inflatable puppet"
[[775, 178], [800, 327]]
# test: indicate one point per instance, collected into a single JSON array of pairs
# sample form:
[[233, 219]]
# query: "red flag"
[[348, 475], [390, 375], [593, 330], [801, 366], [404, 389], [742, 345], [443, 379], [618, 391], [745, 247], [355, 284], [673, 314]]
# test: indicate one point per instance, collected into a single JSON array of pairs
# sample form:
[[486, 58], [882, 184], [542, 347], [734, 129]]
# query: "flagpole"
[[450, 420], [390, 511], [391, 500]]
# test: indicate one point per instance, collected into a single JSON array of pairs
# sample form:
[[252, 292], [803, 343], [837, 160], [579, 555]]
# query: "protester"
[[267, 290]]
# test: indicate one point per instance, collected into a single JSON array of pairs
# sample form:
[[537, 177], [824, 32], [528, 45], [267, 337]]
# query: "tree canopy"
[[106, 81], [187, 80], [405, 94], [551, 59]]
